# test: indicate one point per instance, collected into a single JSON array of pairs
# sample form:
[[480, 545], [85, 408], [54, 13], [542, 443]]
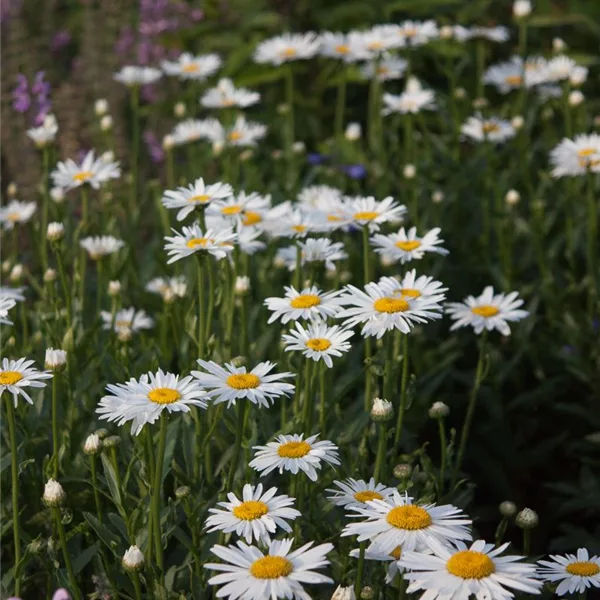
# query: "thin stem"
[[156, 492], [360, 569], [45, 162], [135, 578], [323, 395], [291, 135], [526, 542], [403, 390], [200, 271], [82, 252], [306, 418], [211, 303], [67, 558], [135, 152], [340, 107], [55, 426], [95, 486], [368, 345], [381, 452], [592, 224], [443, 453], [239, 434], [298, 271], [99, 285]]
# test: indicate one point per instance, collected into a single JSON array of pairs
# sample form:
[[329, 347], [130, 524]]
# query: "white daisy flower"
[[412, 100], [314, 196], [234, 383], [560, 67], [143, 401], [492, 34], [127, 319], [488, 311], [348, 47], [311, 303], [254, 517], [187, 199], [392, 558], [93, 171], [287, 47], [14, 293], [226, 95], [409, 246], [250, 574], [371, 212], [397, 521], [192, 240], [577, 156], [168, 287], [461, 573], [357, 492], [298, 224], [318, 341], [45, 134], [131, 75], [418, 33], [193, 130], [6, 304], [411, 286], [236, 206], [513, 74], [244, 133], [247, 239], [576, 572], [492, 129], [386, 69], [99, 246], [16, 375], [196, 68], [293, 453], [379, 39], [319, 250], [382, 311], [16, 212]]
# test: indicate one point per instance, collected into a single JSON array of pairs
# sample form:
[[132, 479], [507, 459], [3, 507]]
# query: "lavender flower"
[[21, 99]]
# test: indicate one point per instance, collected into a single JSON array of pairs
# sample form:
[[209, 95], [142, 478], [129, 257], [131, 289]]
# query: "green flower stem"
[[373, 114], [135, 578], [135, 151], [379, 474], [592, 232], [46, 201], [527, 542], [323, 394], [340, 107], [156, 493], [14, 464], [308, 398], [82, 253], [115, 463], [443, 453], [95, 486], [480, 58], [211, 302], [368, 343], [401, 587], [242, 407], [99, 285], [150, 467], [65, 286], [289, 99], [170, 168], [360, 569], [65, 550], [464, 436], [201, 314], [55, 426], [403, 390], [298, 271]]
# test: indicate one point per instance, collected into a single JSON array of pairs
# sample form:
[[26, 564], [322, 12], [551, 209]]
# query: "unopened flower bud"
[[179, 109], [16, 273], [49, 275], [512, 197], [527, 519], [12, 189], [6, 266], [353, 132], [11, 341], [409, 171], [278, 262], [217, 147], [508, 509], [517, 122], [55, 358], [576, 98], [169, 296], [387, 261], [283, 109], [54, 495], [133, 559], [578, 75], [114, 288], [238, 361], [101, 107], [558, 45], [182, 492], [247, 154], [34, 546], [298, 147], [55, 231], [382, 410], [106, 123], [57, 194], [403, 471], [108, 156], [112, 441], [438, 410], [367, 593], [92, 444], [480, 103], [437, 197], [344, 593], [168, 142], [521, 8], [102, 433], [446, 32], [242, 285], [460, 93]]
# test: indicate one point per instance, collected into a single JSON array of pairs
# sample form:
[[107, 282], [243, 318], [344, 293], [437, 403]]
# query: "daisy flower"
[[357, 492], [234, 383], [168, 287], [347, 47], [236, 206], [418, 33], [392, 558], [143, 401], [411, 286], [397, 521], [247, 239], [381, 310], [16, 212], [493, 129], [309, 303], [196, 68], [93, 171], [293, 453], [244, 133], [193, 130], [314, 196], [460, 573], [250, 574], [100, 246], [513, 75], [127, 319], [6, 304], [131, 75], [412, 100], [492, 34], [187, 199], [45, 134], [287, 47], [576, 573], [318, 341], [14, 293], [226, 95], [16, 375], [296, 225], [560, 67], [488, 311], [319, 250], [372, 213], [254, 517], [409, 246], [577, 156], [386, 69], [192, 240], [380, 39]]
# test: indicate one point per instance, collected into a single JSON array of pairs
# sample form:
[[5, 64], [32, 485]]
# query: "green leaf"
[[172, 435], [81, 560], [110, 540], [111, 480]]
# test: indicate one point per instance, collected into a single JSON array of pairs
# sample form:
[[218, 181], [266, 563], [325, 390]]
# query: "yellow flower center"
[[164, 395], [271, 567], [299, 228], [342, 49], [408, 292], [333, 218], [410, 32], [318, 344], [122, 324], [396, 553], [390, 305], [485, 310], [243, 381], [305, 301], [195, 242], [234, 136], [10, 377], [251, 218], [409, 517], [367, 495], [294, 449], [250, 510], [382, 71], [288, 52], [202, 198], [190, 68], [82, 176], [583, 569], [490, 128], [13, 217], [375, 45], [227, 102], [366, 215], [234, 209], [469, 564], [586, 152], [513, 80], [408, 245]]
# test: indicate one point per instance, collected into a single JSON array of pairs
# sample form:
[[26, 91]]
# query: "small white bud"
[[124, 334], [57, 194], [409, 171], [49, 275], [112, 441], [179, 109], [133, 559], [54, 495], [101, 107], [508, 508], [402, 471], [479, 103], [345, 276], [16, 273], [367, 593], [49, 120], [278, 262], [182, 492], [558, 45], [344, 593], [242, 285], [578, 75], [517, 122], [438, 410], [387, 261], [576, 98], [168, 142], [382, 410], [169, 296], [353, 132], [114, 288], [596, 121], [247, 154], [217, 147], [108, 156], [11, 341], [6, 266], [512, 197], [460, 93], [106, 123], [521, 8], [446, 32], [437, 197], [12, 189], [527, 519], [92, 444], [283, 109], [55, 231], [298, 147], [55, 359]]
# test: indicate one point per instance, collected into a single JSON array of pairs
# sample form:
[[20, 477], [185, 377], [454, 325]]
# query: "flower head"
[[16, 375], [575, 572], [309, 303], [577, 156], [406, 246], [491, 129], [357, 492], [127, 319], [92, 171], [192, 241], [133, 559], [16, 213], [197, 194], [133, 76], [101, 246], [226, 95], [287, 47], [196, 68]]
